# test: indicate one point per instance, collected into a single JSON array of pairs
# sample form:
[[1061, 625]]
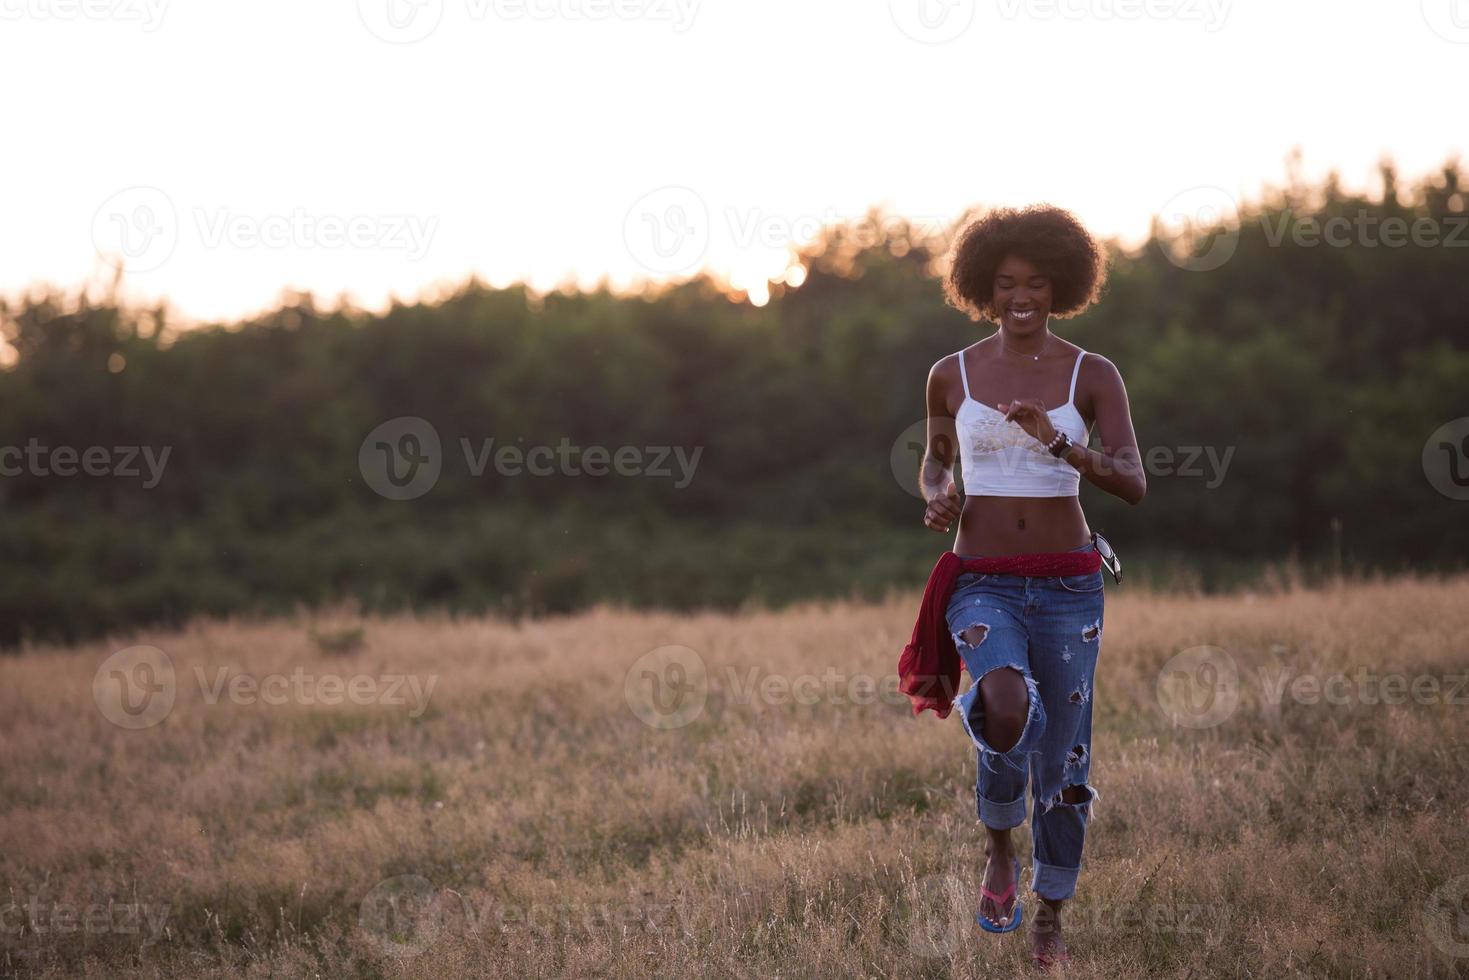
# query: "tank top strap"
[[1071, 398], [964, 376]]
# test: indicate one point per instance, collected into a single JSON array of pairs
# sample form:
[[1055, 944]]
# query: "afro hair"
[[1048, 237]]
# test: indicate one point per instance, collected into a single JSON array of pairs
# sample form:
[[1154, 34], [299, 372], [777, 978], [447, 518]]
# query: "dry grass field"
[[581, 797]]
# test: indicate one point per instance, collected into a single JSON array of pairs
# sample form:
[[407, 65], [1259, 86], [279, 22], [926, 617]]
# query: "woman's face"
[[1022, 297]]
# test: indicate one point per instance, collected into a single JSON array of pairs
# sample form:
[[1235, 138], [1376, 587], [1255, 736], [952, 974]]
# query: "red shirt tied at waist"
[[928, 670]]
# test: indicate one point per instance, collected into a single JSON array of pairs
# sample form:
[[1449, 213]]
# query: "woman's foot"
[[999, 880], [1047, 948]]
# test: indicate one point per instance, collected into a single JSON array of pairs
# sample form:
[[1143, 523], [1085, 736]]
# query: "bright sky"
[[227, 151]]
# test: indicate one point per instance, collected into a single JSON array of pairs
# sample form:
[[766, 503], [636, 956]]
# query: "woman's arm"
[[936, 475], [1117, 467]]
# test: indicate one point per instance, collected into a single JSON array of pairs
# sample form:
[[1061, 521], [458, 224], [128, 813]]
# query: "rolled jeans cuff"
[[1051, 882], [1001, 816]]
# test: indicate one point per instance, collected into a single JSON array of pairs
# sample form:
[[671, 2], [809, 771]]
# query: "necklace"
[[1033, 357]]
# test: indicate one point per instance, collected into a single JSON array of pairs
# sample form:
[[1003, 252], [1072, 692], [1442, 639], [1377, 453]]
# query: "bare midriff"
[[1021, 525]]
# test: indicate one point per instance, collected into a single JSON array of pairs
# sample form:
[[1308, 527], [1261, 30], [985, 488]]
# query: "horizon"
[[112, 279]]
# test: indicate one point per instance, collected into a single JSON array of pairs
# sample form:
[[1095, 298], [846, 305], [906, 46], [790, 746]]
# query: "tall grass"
[[528, 822]]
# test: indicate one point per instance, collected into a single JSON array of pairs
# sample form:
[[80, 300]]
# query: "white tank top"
[[1000, 459]]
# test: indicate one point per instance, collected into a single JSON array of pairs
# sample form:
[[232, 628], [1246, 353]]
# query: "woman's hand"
[[1031, 416], [943, 509]]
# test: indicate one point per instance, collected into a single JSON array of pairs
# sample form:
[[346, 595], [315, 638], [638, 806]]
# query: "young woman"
[[1021, 595]]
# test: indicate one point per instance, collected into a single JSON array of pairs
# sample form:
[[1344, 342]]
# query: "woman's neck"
[[1031, 346]]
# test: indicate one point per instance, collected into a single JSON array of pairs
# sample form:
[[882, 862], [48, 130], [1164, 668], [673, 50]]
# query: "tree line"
[[682, 447]]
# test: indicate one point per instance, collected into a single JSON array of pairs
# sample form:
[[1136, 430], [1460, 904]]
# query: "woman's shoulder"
[[948, 364], [1097, 364]]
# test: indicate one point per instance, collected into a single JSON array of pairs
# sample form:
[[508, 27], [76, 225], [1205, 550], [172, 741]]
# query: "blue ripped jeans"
[[1049, 629]]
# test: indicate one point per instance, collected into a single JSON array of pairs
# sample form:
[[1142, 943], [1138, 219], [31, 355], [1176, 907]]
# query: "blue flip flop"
[[989, 925]]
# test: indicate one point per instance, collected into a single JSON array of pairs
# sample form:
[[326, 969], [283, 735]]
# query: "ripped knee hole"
[[975, 634]]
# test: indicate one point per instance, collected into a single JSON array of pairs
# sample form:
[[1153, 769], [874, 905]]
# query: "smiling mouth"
[[1022, 315]]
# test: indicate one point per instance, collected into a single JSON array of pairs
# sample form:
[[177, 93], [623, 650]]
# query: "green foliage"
[[1315, 372]]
